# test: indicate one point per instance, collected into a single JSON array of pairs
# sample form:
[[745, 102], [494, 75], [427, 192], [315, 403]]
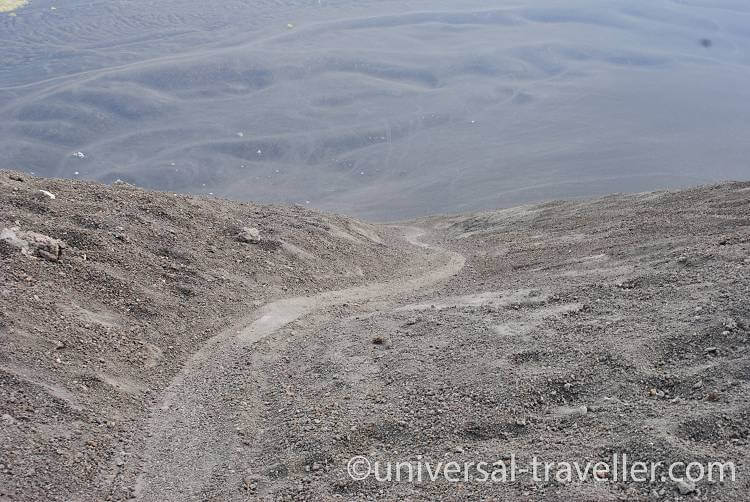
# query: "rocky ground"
[[88, 341], [163, 358]]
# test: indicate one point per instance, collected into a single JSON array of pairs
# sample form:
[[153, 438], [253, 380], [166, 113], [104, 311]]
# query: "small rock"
[[710, 350], [413, 321], [16, 177], [712, 396], [121, 237], [8, 419], [33, 244], [249, 235], [684, 487], [570, 411], [250, 482], [731, 324]]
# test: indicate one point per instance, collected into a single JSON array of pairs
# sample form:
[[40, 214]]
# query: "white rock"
[[33, 244], [249, 234]]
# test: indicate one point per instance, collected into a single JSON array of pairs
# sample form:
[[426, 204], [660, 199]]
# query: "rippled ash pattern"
[[382, 109]]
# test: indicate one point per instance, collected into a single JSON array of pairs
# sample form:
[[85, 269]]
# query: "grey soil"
[[162, 359]]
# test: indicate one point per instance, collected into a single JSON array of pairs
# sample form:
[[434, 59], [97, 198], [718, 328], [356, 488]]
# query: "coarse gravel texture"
[[163, 359], [88, 343], [576, 331]]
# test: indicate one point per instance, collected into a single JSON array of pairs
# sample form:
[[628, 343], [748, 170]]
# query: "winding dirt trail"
[[192, 433]]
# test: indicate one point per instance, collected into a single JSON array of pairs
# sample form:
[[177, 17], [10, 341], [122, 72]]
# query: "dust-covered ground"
[[383, 109], [576, 331], [88, 342], [168, 354]]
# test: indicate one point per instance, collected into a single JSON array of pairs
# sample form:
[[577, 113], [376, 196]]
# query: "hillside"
[[145, 279], [171, 352]]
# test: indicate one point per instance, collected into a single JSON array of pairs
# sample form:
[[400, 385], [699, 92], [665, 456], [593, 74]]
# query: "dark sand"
[[379, 109]]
